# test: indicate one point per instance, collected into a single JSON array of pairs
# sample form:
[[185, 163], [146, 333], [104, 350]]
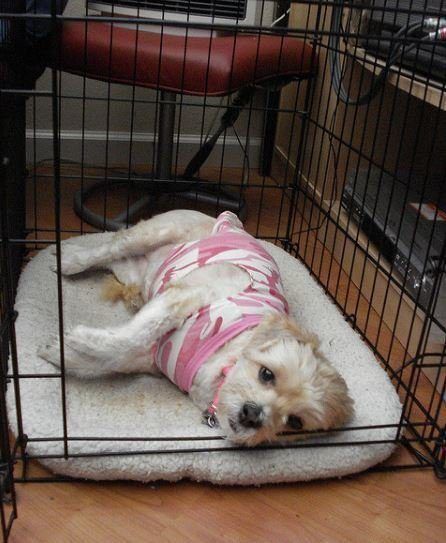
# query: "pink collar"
[[209, 415]]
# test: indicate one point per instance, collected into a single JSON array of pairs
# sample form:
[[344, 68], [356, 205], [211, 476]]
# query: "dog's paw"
[[75, 358], [183, 301], [74, 259]]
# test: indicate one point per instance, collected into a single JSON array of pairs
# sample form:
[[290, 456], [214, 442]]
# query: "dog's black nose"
[[251, 415]]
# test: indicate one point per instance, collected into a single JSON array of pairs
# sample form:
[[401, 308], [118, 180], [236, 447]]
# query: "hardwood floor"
[[406, 507], [403, 507]]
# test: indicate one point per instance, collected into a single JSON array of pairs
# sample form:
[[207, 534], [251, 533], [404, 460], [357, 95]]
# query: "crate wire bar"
[[345, 169]]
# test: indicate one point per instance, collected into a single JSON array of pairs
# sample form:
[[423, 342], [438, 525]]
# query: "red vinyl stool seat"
[[197, 65], [203, 65]]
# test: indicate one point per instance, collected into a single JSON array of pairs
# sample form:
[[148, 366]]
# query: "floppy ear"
[[338, 405]]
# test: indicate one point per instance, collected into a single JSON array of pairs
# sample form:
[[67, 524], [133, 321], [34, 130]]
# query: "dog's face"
[[281, 384]]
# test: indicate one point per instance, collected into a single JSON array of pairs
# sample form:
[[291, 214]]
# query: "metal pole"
[[165, 139]]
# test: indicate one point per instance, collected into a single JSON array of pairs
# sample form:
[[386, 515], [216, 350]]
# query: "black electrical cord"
[[396, 52]]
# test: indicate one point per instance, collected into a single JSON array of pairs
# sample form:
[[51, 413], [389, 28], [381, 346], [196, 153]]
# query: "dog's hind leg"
[[168, 228], [94, 352]]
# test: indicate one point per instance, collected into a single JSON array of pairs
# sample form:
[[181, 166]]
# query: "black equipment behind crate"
[[355, 188]]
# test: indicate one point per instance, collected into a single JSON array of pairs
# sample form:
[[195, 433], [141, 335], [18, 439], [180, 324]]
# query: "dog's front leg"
[[93, 352]]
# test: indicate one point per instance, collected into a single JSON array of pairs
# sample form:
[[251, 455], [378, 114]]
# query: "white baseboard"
[[95, 145]]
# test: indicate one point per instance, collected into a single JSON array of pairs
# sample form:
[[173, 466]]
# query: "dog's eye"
[[295, 422], [266, 375]]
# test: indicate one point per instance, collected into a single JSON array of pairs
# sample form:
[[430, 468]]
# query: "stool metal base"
[[217, 196]]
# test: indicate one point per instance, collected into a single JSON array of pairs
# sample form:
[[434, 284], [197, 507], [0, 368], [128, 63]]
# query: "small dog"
[[213, 318]]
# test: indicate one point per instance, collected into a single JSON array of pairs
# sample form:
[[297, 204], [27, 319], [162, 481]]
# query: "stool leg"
[[166, 126]]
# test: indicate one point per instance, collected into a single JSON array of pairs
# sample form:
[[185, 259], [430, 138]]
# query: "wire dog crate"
[[342, 166]]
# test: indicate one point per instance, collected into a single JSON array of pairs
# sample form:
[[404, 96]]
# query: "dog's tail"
[[114, 291]]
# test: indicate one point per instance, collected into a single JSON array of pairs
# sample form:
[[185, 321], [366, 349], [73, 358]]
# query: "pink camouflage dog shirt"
[[180, 353]]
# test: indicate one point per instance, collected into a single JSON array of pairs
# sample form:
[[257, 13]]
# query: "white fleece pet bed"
[[145, 406]]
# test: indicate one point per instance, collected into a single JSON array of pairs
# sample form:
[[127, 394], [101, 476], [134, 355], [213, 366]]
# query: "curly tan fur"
[[114, 291]]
